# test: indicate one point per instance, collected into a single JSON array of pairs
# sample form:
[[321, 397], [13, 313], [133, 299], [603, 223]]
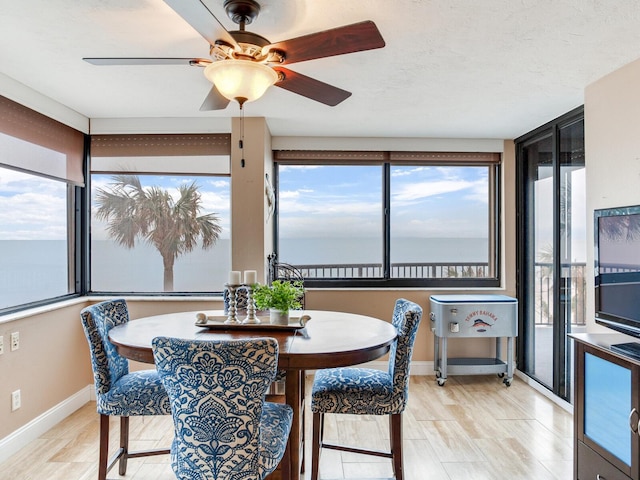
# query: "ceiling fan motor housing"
[[242, 12]]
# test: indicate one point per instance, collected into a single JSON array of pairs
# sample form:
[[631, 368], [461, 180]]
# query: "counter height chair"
[[364, 391], [224, 429], [119, 392]]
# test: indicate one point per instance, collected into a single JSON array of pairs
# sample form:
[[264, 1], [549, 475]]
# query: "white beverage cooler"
[[473, 316]]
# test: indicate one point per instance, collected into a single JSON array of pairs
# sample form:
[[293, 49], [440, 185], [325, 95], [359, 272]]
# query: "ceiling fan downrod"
[[242, 12]]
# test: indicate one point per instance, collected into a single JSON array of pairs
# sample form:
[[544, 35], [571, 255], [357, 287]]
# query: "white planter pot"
[[276, 317]]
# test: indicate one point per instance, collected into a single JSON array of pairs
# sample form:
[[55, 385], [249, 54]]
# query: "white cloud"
[[286, 195], [416, 191], [37, 216]]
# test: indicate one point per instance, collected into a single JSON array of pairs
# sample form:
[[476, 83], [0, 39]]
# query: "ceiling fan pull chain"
[[241, 142]]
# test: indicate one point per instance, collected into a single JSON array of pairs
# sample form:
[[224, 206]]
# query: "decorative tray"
[[217, 322]]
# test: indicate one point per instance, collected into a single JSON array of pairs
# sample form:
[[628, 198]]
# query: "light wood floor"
[[473, 428]]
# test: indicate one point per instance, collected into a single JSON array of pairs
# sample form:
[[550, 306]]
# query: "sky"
[[315, 201], [34, 208], [31, 207], [328, 201], [214, 191]]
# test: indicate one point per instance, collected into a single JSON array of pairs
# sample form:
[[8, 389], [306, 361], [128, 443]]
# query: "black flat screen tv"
[[617, 269]]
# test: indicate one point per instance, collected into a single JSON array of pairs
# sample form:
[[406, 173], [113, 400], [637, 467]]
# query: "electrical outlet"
[[15, 341], [16, 401], [1, 344]]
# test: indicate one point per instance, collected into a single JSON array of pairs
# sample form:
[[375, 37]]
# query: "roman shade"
[[160, 153], [351, 157], [35, 143]]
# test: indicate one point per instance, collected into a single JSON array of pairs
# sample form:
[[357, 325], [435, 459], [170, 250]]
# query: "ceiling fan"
[[253, 53]]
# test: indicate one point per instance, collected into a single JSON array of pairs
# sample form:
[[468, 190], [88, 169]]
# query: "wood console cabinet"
[[606, 409]]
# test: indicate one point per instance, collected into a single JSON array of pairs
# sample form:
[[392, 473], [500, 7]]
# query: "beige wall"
[[53, 361], [50, 365], [251, 231], [612, 143]]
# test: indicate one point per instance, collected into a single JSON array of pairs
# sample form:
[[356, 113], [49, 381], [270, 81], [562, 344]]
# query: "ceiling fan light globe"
[[241, 78]]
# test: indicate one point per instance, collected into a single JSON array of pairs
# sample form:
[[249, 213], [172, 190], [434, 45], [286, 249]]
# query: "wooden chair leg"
[[395, 427], [124, 445], [316, 435], [302, 420], [104, 447]]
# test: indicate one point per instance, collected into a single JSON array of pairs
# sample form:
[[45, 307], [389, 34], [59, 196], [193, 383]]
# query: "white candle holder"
[[232, 317], [251, 318]]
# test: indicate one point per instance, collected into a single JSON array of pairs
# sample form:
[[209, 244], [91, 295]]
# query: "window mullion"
[[386, 220]]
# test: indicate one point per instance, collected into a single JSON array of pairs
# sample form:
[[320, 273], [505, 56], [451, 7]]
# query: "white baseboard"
[[39, 425], [544, 391]]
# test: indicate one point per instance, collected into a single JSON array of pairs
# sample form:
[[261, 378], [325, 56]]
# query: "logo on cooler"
[[480, 320]]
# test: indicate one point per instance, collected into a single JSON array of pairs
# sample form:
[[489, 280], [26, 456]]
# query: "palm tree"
[[172, 226], [620, 227]]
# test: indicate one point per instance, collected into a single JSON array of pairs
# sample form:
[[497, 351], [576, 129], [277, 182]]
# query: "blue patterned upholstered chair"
[[364, 391], [224, 429], [119, 392]]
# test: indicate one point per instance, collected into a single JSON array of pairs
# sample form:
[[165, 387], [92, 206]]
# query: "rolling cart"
[[473, 316]]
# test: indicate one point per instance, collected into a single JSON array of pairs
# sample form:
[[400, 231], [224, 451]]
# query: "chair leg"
[[316, 443], [124, 445], [303, 411], [104, 447], [395, 428]]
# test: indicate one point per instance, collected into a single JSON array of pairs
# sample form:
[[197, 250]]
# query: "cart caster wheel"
[[438, 374], [441, 381], [507, 381], [500, 375]]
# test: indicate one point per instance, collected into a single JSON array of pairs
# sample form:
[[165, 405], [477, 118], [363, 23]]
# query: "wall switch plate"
[[15, 341], [16, 401]]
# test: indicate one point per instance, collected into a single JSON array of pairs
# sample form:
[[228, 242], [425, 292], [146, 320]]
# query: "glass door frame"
[[561, 384]]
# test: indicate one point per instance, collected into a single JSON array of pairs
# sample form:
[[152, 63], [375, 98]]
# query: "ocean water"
[[115, 268], [369, 250], [32, 270]]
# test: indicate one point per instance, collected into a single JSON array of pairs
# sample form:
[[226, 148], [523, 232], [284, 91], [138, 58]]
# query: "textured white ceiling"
[[450, 68]]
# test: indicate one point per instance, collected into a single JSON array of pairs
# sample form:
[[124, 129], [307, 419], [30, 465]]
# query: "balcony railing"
[[398, 270], [573, 277], [572, 294]]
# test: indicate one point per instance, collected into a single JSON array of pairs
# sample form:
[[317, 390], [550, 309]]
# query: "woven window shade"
[[326, 156], [434, 158], [160, 145], [175, 153], [61, 148]]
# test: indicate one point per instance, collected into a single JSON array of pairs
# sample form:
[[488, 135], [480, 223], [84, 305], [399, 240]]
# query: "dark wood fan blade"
[[311, 88], [202, 20], [148, 61], [337, 41], [214, 101]]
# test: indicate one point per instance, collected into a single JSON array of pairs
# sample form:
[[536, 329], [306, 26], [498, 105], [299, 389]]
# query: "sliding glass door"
[[552, 249]]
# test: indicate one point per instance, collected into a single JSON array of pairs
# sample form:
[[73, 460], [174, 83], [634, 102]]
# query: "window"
[[329, 219], [34, 243], [160, 213], [40, 179], [439, 228]]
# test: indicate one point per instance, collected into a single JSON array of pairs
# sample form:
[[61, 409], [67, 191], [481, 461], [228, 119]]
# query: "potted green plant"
[[279, 297]]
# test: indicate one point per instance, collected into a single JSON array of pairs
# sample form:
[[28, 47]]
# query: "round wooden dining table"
[[328, 339]]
